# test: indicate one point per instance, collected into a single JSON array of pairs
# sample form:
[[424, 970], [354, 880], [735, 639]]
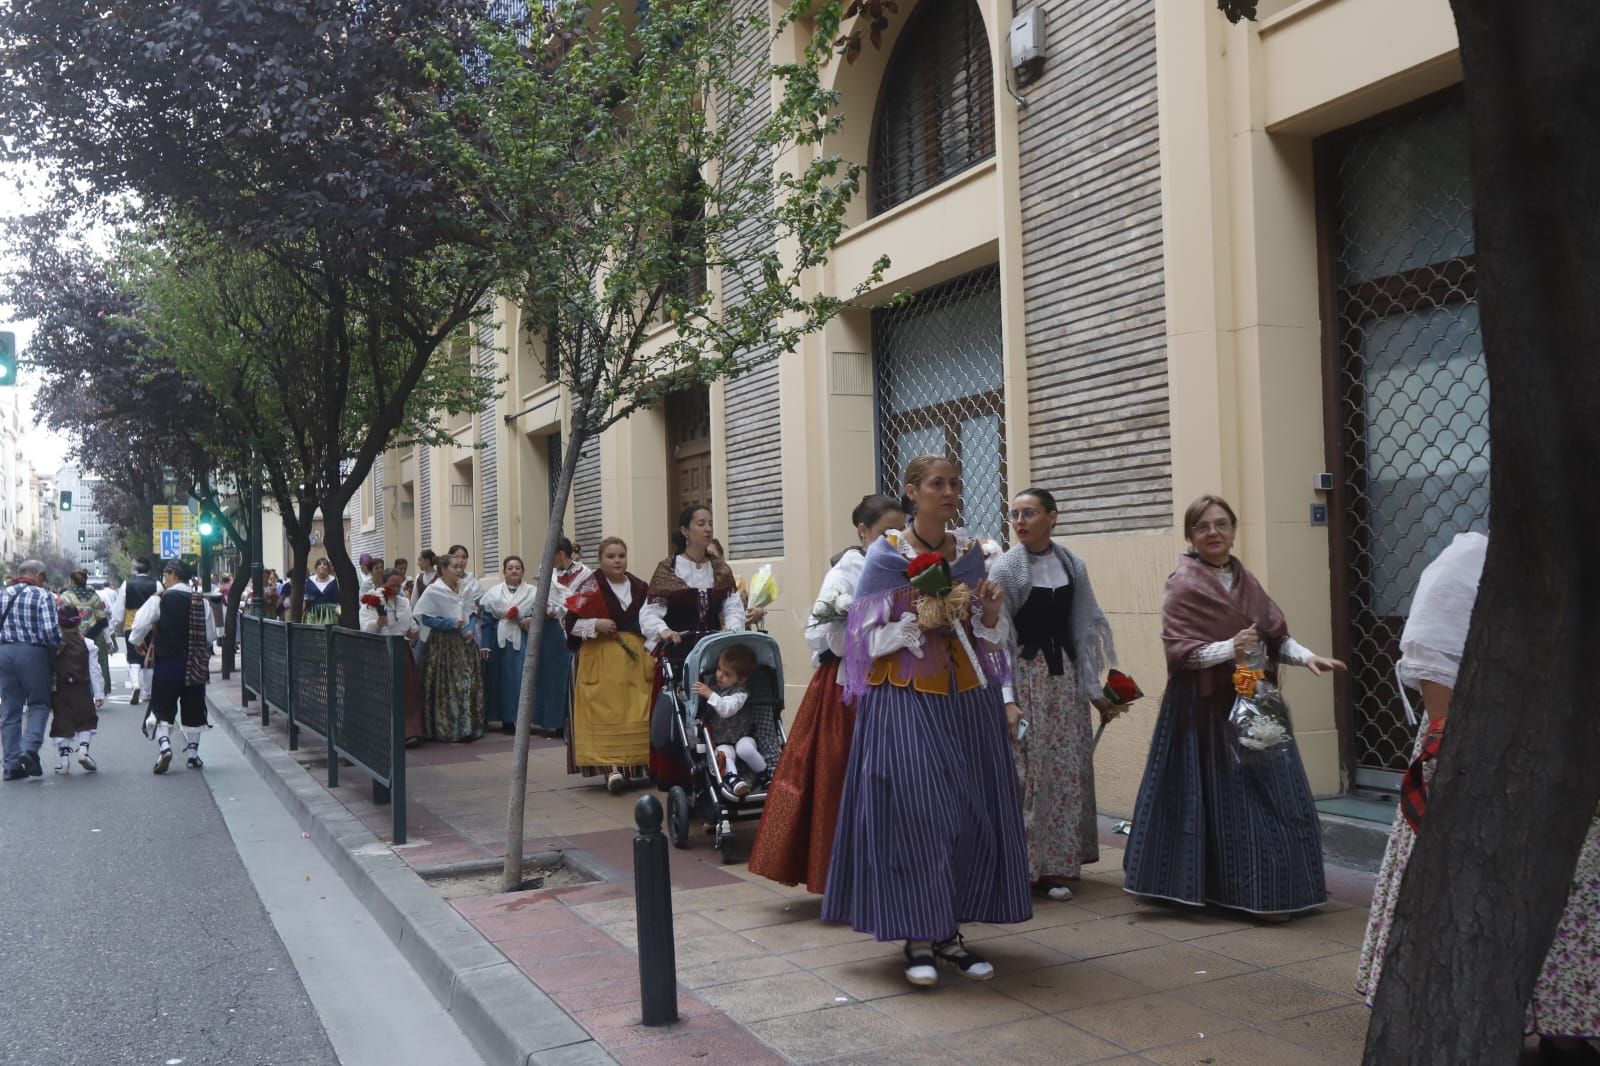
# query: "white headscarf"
[[500, 599], [1441, 611], [438, 600]]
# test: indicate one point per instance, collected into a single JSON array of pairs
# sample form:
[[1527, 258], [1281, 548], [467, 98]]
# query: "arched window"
[[936, 112]]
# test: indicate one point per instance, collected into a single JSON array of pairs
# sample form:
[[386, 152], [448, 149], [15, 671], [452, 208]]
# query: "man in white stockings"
[[135, 592], [181, 627]]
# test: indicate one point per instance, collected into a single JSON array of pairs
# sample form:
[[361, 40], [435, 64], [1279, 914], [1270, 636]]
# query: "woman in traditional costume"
[[95, 624], [795, 838], [690, 593], [452, 677], [1208, 826], [386, 610], [1565, 1008], [321, 599], [930, 825], [609, 731], [552, 686], [1061, 647], [504, 615]]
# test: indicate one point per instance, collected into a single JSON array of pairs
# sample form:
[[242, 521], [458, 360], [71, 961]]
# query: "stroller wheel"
[[678, 816]]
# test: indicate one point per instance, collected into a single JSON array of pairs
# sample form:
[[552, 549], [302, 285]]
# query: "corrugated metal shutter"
[[362, 542], [488, 458], [1090, 175], [425, 501], [752, 500], [588, 520]]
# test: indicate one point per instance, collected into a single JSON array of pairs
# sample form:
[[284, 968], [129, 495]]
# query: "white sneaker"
[[86, 761], [615, 783], [64, 765], [921, 969], [1060, 893]]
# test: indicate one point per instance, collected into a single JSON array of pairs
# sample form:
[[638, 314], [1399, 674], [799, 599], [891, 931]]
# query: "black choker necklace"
[[930, 547], [1046, 550]]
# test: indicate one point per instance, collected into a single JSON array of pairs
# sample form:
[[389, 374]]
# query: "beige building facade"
[[1182, 257]]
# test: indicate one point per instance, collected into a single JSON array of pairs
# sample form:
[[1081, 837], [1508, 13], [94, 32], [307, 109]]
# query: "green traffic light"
[[206, 529], [8, 358]]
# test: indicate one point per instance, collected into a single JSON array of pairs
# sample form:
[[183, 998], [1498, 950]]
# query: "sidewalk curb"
[[507, 1017]]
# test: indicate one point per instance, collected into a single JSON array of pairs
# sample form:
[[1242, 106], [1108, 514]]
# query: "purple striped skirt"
[[930, 824]]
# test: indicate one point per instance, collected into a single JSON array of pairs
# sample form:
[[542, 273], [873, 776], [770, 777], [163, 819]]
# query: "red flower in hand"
[[1120, 688], [372, 600], [512, 614], [923, 562]]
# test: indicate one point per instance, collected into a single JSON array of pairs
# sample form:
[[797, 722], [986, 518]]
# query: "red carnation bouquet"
[[586, 602], [1121, 689], [373, 600], [929, 574], [512, 614]]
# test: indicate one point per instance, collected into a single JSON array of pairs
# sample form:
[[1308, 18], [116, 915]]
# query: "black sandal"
[[953, 955]]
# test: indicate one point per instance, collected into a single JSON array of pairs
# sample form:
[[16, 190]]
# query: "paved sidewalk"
[[1102, 979]]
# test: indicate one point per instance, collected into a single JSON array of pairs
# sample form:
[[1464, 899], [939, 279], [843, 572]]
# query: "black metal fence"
[[346, 686]]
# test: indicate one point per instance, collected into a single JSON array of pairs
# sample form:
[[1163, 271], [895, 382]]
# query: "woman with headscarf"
[[452, 678], [609, 731], [504, 615], [1060, 649], [1565, 1008], [1209, 826], [794, 841], [930, 825], [94, 620]]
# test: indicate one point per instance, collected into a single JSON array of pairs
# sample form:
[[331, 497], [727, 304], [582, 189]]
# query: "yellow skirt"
[[611, 703]]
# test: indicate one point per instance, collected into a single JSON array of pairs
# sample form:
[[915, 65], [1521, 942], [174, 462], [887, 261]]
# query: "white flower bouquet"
[[1260, 717], [834, 609]]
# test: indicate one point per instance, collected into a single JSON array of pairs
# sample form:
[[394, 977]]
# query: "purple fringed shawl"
[[884, 594]]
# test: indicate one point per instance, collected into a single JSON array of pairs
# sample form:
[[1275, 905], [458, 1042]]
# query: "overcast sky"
[[44, 450]]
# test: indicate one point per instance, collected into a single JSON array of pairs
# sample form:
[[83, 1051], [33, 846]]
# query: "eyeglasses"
[[1025, 514], [1220, 526]]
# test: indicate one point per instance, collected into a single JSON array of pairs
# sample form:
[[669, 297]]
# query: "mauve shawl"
[[1199, 610]]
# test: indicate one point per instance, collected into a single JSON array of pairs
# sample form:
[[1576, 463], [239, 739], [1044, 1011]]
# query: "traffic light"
[[83, 536], [8, 358], [66, 499], [207, 527]]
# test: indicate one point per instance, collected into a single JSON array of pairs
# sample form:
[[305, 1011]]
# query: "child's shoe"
[[86, 760], [64, 760], [738, 786]]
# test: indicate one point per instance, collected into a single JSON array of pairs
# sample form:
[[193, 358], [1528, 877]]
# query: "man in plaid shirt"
[[29, 633]]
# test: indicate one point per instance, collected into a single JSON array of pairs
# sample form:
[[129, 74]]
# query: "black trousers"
[[170, 698]]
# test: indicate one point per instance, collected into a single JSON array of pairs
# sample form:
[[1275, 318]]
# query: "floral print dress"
[[1566, 998]]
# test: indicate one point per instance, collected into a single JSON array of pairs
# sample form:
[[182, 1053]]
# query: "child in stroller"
[[733, 726]]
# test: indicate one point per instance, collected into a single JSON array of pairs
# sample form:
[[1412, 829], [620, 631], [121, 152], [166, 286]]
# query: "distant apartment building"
[[1183, 257], [92, 549]]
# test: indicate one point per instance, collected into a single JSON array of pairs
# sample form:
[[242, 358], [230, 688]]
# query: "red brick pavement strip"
[[572, 960]]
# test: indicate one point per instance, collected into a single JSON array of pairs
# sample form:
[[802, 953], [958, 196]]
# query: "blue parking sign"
[[171, 543]]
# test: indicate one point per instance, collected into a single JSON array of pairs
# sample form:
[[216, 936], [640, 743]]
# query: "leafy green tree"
[[619, 161]]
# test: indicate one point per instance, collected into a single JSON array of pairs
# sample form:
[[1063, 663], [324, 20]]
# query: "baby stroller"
[[705, 798]]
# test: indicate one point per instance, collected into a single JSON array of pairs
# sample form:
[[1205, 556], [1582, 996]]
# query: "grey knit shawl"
[[1091, 632]]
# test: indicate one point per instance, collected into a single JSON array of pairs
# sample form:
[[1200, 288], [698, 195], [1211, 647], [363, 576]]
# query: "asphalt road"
[[129, 929], [133, 927]]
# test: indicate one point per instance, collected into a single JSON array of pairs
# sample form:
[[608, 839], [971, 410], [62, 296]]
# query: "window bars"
[[1413, 397], [936, 112], [939, 384]]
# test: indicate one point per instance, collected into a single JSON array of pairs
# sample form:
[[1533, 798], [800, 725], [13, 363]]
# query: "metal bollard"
[[652, 892]]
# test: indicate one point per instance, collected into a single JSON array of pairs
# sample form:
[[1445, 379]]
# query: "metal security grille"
[[936, 116], [940, 391], [1412, 428]]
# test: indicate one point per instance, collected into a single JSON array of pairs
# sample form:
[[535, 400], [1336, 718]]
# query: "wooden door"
[[689, 452]]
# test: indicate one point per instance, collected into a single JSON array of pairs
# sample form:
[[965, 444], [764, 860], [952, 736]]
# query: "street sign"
[[8, 358], [176, 518], [171, 543]]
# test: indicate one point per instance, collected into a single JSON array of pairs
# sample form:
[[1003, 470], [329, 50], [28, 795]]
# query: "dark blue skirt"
[[1210, 827], [550, 692], [930, 823]]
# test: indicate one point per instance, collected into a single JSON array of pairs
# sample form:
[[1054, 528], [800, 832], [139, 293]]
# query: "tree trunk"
[[1517, 782], [299, 568], [344, 568], [511, 875]]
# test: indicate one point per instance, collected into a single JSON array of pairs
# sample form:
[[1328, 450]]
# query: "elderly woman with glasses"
[[1061, 647], [1210, 826]]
